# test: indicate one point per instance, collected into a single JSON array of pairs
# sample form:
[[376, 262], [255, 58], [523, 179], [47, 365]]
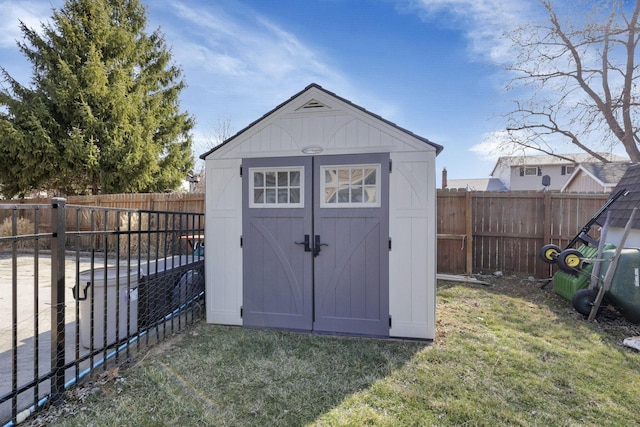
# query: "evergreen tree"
[[102, 112]]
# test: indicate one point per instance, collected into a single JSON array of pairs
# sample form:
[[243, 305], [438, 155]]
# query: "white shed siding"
[[223, 228], [340, 128], [412, 259], [614, 235]]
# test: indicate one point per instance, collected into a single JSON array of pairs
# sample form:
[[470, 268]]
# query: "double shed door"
[[315, 243]]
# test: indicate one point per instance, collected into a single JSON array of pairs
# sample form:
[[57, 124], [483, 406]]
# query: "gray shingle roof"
[[607, 173], [621, 209]]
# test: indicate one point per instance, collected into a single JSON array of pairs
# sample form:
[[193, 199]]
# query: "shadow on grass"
[[505, 354], [217, 375]]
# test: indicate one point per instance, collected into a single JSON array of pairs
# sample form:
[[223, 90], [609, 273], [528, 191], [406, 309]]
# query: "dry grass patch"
[[23, 226], [507, 354]]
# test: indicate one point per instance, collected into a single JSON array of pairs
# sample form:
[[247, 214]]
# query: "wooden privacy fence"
[[478, 232], [484, 232], [163, 202]]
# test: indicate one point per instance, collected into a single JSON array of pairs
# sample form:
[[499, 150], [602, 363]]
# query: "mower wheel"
[[549, 253], [570, 260], [583, 301]]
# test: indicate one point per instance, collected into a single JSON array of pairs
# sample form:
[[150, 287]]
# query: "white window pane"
[[329, 176], [370, 176], [344, 177], [258, 196], [343, 195], [283, 195], [258, 179], [276, 187], [346, 185], [294, 195], [270, 178], [356, 194], [295, 179], [356, 176], [270, 195], [330, 195], [283, 179], [370, 194]]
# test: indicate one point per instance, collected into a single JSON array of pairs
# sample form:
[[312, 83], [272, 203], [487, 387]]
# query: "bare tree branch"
[[583, 74]]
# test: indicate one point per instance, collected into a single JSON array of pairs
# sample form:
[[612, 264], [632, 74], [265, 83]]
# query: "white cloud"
[[238, 43], [32, 13], [484, 22], [490, 147], [236, 60]]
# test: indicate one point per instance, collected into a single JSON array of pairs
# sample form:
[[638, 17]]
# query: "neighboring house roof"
[[621, 209], [543, 160], [438, 148], [605, 174], [478, 184]]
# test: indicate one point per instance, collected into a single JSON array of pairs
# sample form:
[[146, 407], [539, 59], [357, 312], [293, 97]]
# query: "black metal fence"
[[83, 287]]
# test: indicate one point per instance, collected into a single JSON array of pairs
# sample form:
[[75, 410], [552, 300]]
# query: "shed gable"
[[323, 122]]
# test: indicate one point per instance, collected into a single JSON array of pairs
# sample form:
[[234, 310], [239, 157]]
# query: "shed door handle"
[[307, 248], [317, 247]]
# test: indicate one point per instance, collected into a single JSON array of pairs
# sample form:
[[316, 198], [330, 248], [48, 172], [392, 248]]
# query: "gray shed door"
[[315, 243]]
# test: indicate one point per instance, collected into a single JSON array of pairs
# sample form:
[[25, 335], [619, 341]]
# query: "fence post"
[[58, 243]]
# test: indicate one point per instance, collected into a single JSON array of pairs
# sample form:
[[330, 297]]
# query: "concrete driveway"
[[34, 319]]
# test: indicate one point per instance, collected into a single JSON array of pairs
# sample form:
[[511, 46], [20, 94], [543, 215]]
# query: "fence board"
[[452, 232]]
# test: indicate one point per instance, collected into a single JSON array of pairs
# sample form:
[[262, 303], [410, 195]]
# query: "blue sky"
[[431, 66]]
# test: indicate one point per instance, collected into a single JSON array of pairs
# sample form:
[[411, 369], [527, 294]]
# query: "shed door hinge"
[[240, 170], [241, 242], [241, 311], [389, 244], [390, 322], [390, 166]]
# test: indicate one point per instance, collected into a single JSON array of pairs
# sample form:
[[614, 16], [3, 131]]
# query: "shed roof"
[[621, 209], [437, 147]]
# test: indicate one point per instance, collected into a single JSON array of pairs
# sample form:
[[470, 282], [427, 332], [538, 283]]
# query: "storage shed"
[[321, 217]]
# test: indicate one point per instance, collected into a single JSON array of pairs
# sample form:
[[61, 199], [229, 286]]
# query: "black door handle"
[[307, 248], [317, 247]]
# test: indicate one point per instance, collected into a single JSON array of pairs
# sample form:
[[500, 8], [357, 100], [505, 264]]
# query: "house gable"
[[596, 177], [510, 169]]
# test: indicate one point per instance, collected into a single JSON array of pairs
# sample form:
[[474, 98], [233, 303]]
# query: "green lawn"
[[507, 354]]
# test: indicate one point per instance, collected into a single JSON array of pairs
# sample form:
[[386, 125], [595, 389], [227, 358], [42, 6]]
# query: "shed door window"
[[350, 186], [276, 188]]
